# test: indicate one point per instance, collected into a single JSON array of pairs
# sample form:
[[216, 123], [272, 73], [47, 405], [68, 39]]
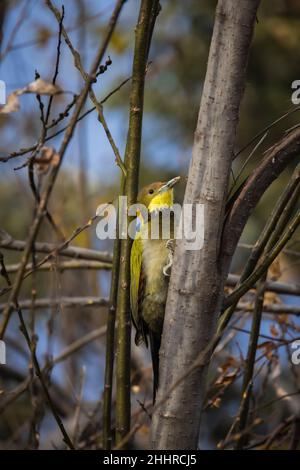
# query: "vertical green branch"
[[250, 361], [110, 345], [131, 162]]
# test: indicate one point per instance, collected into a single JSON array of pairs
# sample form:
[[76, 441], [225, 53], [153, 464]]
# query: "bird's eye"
[[151, 191]]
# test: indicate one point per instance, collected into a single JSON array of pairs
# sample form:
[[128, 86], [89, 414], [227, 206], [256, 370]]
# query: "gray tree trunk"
[[196, 285]]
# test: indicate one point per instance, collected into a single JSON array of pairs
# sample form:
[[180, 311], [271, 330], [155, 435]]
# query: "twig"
[[77, 25], [78, 406], [15, 29], [56, 68], [24, 151], [242, 421], [234, 280], [40, 375], [78, 344], [61, 266], [275, 161], [288, 196], [31, 342], [62, 301], [267, 128], [42, 247], [98, 105], [245, 163], [63, 355], [49, 184], [265, 263], [110, 344], [277, 431], [279, 309], [296, 434], [281, 217], [59, 247]]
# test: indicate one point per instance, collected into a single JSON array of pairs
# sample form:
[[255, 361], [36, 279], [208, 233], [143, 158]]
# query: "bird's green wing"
[[136, 281]]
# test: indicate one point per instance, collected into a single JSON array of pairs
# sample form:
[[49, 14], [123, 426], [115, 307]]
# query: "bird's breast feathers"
[[155, 258]]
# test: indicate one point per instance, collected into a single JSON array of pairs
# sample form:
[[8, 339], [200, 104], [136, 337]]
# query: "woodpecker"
[[150, 264]]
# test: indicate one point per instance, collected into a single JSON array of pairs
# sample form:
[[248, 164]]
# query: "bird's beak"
[[169, 184]]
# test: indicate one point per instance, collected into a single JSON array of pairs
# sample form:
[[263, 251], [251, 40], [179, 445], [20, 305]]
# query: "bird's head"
[[157, 196]]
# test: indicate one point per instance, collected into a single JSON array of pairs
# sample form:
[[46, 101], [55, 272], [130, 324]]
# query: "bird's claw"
[[167, 267]]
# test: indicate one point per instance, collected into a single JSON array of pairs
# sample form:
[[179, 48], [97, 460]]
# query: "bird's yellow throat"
[[162, 200]]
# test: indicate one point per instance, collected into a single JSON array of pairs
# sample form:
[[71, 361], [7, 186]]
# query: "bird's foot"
[[168, 266]]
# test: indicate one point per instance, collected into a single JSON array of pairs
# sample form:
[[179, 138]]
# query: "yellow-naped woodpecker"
[[151, 259]]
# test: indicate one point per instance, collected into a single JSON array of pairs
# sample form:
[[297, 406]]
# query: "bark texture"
[[196, 285]]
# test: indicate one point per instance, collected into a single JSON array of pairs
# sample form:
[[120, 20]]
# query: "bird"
[[150, 264]]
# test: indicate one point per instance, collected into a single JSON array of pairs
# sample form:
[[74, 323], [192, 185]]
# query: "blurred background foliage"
[[89, 175], [174, 83]]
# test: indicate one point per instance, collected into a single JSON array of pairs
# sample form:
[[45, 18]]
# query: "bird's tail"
[[155, 340]]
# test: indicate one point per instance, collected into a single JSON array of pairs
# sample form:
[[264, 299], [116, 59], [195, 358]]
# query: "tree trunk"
[[196, 286]]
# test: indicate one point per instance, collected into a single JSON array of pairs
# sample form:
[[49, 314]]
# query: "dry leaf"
[[231, 361], [271, 298], [48, 156], [226, 380], [43, 35], [215, 402], [12, 104], [228, 290], [274, 271], [273, 330], [144, 430], [283, 318], [41, 87], [268, 347]]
